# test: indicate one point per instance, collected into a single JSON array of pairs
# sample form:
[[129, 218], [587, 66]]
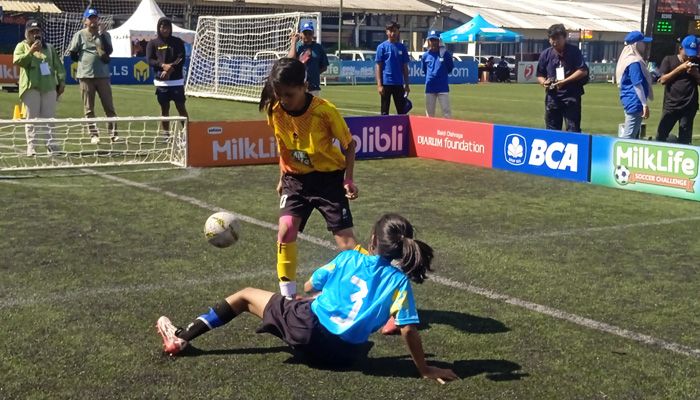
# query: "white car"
[[356, 55], [269, 55]]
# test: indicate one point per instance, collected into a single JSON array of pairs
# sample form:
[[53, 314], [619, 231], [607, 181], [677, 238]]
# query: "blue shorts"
[[167, 93]]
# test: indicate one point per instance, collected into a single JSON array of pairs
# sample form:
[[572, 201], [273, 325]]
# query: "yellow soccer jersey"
[[306, 142]]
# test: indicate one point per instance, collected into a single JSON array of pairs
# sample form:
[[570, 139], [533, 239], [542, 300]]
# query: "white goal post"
[[65, 143], [232, 56]]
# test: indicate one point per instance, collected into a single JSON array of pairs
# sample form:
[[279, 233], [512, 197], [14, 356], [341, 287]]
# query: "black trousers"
[[684, 117], [557, 112], [397, 92]]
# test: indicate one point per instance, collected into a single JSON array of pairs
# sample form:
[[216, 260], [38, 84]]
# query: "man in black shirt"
[[166, 54], [562, 71], [680, 77]]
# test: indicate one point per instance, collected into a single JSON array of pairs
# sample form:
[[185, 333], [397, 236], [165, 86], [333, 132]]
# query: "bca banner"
[[541, 152], [228, 143], [527, 72], [462, 142], [651, 167]]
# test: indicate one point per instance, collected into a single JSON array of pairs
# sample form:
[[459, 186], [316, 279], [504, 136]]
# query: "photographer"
[[91, 48], [41, 80], [680, 77], [563, 72]]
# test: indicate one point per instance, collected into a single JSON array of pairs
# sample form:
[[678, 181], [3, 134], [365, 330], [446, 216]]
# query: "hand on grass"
[[441, 375]]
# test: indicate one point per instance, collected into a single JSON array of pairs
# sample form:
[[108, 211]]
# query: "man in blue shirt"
[[563, 72], [635, 84], [392, 70], [437, 64], [311, 54]]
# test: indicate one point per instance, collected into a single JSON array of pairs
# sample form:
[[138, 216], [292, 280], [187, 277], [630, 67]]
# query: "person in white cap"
[[311, 54], [634, 79], [680, 77], [41, 80], [437, 64]]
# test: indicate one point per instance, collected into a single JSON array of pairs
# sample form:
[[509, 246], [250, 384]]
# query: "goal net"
[[232, 56], [60, 28], [64, 143]]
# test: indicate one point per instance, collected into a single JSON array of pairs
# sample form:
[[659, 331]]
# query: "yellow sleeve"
[[339, 129]]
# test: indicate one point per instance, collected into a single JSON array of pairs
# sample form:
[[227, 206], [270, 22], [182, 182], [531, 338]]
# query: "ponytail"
[[285, 71], [393, 239], [417, 256]]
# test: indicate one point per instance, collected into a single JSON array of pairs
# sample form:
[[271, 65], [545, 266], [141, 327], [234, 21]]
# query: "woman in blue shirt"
[[635, 81], [354, 295], [437, 64]]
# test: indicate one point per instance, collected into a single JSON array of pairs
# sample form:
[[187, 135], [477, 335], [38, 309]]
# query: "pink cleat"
[[171, 343]]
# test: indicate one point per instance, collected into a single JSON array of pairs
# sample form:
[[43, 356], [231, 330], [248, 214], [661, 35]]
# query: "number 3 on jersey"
[[357, 299]]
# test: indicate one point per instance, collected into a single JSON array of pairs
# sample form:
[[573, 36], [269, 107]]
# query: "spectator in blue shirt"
[[392, 70], [437, 63], [311, 54], [635, 82], [563, 72]]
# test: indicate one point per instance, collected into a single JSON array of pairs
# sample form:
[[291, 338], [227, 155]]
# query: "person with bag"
[[91, 48]]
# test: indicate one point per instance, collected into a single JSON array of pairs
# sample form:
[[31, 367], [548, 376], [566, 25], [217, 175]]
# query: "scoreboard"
[[670, 21]]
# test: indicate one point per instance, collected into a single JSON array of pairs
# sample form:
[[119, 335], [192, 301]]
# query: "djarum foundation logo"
[[658, 165]]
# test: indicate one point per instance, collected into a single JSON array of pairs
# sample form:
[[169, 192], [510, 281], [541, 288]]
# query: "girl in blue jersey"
[[354, 295]]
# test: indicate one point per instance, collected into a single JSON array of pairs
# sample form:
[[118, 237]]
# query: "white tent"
[[142, 26]]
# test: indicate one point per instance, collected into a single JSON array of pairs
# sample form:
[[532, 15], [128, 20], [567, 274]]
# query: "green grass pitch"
[[89, 261]]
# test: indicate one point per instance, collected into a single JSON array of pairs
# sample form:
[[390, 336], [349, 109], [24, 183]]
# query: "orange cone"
[[17, 113]]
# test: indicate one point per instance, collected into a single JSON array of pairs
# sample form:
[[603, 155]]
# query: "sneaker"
[[95, 139], [115, 139], [171, 343], [31, 152], [390, 327]]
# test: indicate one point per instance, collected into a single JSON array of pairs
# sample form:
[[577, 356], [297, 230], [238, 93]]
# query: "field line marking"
[[552, 312]]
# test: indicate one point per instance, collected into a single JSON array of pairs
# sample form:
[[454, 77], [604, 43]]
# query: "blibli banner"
[[228, 143], [363, 72], [541, 152], [124, 71], [652, 167]]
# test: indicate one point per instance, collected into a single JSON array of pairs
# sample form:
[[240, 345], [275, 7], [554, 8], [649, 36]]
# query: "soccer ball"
[[222, 229], [622, 175]]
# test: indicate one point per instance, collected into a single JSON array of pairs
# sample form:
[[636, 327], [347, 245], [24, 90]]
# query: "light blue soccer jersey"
[[359, 293]]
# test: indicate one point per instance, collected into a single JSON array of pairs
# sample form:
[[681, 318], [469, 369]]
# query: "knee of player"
[[286, 231]]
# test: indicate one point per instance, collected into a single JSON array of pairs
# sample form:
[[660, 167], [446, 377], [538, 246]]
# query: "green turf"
[[512, 104], [88, 265]]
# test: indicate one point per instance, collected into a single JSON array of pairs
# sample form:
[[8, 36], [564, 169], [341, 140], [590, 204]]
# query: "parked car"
[[462, 57], [269, 55], [332, 57], [356, 55]]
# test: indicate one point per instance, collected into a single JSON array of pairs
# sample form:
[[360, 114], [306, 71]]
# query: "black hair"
[[285, 71], [556, 30], [393, 240], [392, 25]]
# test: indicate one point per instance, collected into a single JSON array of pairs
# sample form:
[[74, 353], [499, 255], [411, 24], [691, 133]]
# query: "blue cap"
[[434, 35], [90, 12], [690, 45], [636, 36], [308, 26]]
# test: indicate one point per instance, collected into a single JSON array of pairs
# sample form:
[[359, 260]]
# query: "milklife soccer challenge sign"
[[651, 167], [542, 152]]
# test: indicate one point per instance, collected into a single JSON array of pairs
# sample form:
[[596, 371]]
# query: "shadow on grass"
[[394, 366], [461, 321]]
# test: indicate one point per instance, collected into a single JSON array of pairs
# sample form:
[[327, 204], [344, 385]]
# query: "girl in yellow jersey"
[[314, 172]]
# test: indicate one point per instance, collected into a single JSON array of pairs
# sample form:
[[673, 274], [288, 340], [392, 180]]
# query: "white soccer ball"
[[222, 229], [622, 175]]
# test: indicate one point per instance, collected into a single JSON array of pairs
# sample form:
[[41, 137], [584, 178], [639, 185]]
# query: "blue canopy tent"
[[480, 31]]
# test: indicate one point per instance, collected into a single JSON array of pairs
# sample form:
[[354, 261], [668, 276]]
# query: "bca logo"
[[529, 71], [515, 149], [74, 70], [557, 155], [141, 71]]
